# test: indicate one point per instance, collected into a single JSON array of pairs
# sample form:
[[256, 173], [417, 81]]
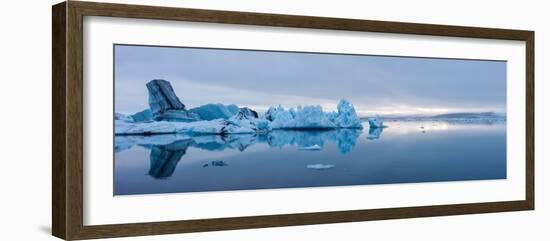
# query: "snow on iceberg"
[[313, 117], [376, 122]]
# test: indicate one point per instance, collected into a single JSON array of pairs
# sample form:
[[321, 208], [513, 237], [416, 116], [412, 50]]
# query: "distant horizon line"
[[372, 113]]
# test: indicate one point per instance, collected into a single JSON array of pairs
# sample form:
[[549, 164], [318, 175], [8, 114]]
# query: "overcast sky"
[[259, 79]]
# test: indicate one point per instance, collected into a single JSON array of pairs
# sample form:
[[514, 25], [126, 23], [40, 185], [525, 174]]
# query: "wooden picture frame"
[[67, 123]]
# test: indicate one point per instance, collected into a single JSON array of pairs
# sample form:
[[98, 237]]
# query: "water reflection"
[[408, 152], [165, 158], [168, 150], [345, 139], [374, 133]]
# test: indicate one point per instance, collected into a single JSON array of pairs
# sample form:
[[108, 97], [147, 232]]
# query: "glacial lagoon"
[[407, 151]]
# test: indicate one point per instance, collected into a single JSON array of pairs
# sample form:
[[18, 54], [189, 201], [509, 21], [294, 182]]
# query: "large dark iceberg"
[[165, 105]]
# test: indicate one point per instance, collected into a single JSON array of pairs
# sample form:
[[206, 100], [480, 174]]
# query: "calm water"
[[405, 152]]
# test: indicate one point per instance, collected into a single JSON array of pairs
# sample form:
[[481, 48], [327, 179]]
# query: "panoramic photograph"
[[202, 119]]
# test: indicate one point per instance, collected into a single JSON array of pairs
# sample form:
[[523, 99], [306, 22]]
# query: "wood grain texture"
[[530, 120], [59, 182], [67, 136], [74, 105], [155, 228], [280, 20]]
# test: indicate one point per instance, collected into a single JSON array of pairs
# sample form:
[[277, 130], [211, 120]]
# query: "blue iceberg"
[[313, 117], [376, 122], [215, 111]]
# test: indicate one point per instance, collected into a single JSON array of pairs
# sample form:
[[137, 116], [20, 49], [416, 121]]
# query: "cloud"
[[260, 79]]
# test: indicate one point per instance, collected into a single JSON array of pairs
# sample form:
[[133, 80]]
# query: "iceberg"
[[308, 117], [220, 111], [168, 115], [143, 116], [313, 117], [165, 105], [178, 115], [249, 112], [216, 127], [237, 124], [346, 117], [376, 122], [247, 124], [123, 117], [215, 111]]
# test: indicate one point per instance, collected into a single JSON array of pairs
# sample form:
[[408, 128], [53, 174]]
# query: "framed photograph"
[[172, 120]]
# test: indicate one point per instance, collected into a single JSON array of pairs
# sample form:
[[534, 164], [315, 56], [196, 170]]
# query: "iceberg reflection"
[[164, 159], [374, 133], [345, 139], [168, 150]]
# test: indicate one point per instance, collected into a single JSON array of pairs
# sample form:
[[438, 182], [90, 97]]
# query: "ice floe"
[[320, 166], [310, 148]]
